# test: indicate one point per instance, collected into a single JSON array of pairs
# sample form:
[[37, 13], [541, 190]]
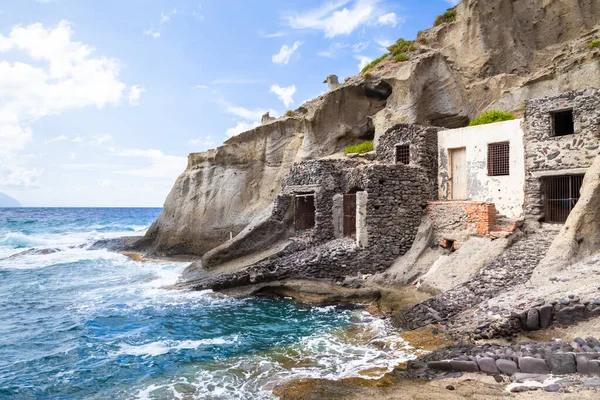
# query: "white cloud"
[[271, 35], [364, 61], [335, 18], [98, 140], [135, 93], [160, 165], [200, 87], [14, 176], [241, 127], [452, 2], [285, 54], [390, 19], [164, 18], [333, 51], [151, 32], [360, 46], [205, 142], [53, 74], [60, 138], [285, 94], [245, 113], [384, 43]]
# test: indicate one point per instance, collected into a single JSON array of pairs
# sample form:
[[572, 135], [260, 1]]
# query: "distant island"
[[7, 201]]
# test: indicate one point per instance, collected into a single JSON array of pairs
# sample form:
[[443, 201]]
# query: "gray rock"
[[488, 365], [521, 377], [533, 320], [530, 365], [552, 388], [592, 383], [439, 365], [546, 314], [507, 367], [562, 363], [464, 366], [585, 367]]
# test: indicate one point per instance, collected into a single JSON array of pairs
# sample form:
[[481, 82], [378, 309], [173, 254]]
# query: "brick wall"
[[458, 220]]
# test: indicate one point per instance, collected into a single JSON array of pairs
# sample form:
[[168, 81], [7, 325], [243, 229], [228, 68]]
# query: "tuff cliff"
[[496, 54]]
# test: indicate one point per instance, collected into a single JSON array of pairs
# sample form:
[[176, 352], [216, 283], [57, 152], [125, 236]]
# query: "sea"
[[84, 323]]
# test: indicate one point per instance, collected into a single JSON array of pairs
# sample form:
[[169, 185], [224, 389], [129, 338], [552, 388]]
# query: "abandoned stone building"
[[348, 216]]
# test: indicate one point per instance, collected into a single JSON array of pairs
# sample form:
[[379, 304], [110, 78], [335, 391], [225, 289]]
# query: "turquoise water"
[[79, 323]]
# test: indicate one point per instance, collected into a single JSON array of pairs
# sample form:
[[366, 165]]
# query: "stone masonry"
[[546, 153]]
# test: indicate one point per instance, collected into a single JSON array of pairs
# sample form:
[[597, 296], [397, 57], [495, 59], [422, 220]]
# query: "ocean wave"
[[159, 348]]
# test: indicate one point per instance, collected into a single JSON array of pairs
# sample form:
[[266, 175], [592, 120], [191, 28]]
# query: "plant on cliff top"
[[489, 117], [594, 44], [402, 46], [373, 63], [401, 57], [448, 16], [364, 147], [289, 113]]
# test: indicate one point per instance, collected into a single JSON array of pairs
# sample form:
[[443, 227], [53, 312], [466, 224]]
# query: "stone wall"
[[457, 221], [396, 197], [546, 154], [423, 142]]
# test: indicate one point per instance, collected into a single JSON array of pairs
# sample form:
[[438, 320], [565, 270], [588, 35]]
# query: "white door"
[[458, 168]]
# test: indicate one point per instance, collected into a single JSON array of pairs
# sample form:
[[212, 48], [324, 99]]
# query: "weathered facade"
[[487, 162], [562, 138]]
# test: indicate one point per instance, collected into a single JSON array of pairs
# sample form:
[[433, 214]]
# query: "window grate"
[[498, 159], [561, 194], [403, 154]]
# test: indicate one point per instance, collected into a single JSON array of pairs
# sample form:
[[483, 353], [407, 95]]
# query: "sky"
[[101, 101]]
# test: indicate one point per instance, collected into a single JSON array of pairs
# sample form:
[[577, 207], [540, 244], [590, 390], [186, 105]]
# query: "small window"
[[498, 159], [562, 123], [403, 154]]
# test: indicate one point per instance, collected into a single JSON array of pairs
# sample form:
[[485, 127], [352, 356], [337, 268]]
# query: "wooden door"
[[350, 215], [458, 168]]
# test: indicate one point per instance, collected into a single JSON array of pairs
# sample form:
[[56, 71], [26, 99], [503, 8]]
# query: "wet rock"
[[532, 365]]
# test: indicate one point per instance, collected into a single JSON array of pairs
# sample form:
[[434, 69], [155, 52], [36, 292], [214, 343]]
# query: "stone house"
[[562, 137]]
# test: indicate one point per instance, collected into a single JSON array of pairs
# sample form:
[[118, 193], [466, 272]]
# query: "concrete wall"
[[506, 192]]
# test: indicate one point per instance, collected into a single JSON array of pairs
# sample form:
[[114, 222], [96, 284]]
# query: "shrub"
[[402, 46], [374, 63], [401, 58], [594, 44], [448, 16], [492, 116], [364, 147], [289, 113]]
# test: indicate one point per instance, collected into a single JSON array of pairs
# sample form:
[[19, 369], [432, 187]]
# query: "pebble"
[[450, 387], [552, 388]]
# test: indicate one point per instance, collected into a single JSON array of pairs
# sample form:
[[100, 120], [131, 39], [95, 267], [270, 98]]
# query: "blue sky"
[[101, 101]]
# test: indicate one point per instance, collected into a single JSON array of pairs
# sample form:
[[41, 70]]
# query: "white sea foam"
[[165, 346]]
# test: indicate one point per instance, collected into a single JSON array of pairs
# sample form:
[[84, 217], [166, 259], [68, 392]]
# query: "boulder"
[[531, 365], [507, 367], [562, 363], [487, 365], [464, 366]]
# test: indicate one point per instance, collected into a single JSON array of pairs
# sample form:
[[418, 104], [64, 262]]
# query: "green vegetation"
[[421, 37], [492, 116], [364, 147], [594, 44], [401, 58], [373, 63], [289, 113], [402, 46], [448, 16]]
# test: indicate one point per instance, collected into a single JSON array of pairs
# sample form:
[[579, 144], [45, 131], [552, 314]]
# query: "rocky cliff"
[[495, 54]]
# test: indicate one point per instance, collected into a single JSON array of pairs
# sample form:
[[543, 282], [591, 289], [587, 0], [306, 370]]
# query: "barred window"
[[403, 154], [498, 159]]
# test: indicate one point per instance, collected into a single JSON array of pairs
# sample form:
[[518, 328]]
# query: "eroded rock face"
[[496, 54], [223, 190]]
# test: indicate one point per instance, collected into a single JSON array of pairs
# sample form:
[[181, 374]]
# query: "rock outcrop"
[[496, 54]]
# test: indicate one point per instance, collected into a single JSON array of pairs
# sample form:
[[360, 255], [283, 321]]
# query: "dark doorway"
[[350, 215], [563, 123], [561, 193], [304, 212]]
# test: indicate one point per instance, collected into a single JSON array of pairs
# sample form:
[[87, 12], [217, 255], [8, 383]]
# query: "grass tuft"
[[364, 147], [401, 58], [594, 44], [489, 117], [373, 63], [289, 113], [448, 16]]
